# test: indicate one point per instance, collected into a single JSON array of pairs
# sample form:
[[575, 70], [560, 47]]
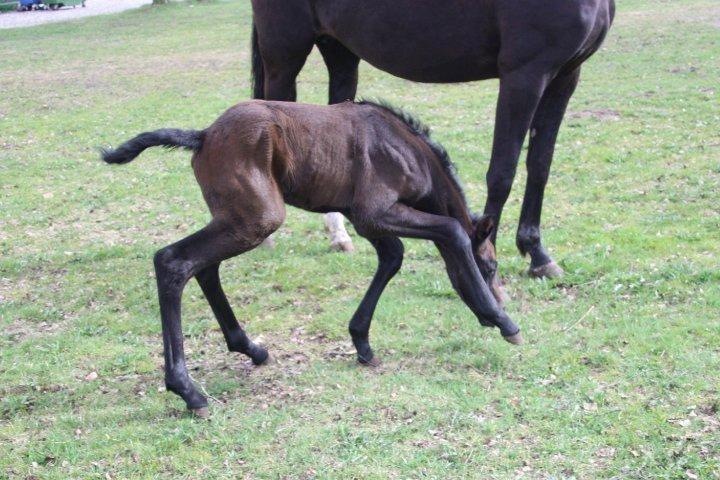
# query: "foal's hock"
[[375, 164]]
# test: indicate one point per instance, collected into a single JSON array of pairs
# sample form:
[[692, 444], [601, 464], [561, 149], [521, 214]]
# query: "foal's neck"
[[450, 198]]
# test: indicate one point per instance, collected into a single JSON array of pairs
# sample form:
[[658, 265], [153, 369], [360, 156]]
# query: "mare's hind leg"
[[174, 266], [283, 54], [342, 66], [235, 337], [284, 41], [543, 133], [390, 255]]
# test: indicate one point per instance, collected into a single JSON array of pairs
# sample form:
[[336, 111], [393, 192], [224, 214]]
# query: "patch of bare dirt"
[[19, 331], [699, 431], [598, 114], [684, 69], [271, 384]]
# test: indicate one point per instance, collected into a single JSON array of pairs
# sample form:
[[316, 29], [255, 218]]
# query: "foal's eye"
[[492, 268]]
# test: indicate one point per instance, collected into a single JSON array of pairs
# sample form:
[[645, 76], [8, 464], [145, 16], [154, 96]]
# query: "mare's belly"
[[425, 41]]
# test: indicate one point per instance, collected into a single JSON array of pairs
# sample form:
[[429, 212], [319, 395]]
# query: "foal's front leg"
[[390, 252], [456, 248]]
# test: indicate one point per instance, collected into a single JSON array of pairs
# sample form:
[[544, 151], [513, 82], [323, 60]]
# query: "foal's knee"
[[456, 237], [171, 271]]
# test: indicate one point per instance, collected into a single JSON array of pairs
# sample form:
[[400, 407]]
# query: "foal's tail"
[[258, 71], [166, 137]]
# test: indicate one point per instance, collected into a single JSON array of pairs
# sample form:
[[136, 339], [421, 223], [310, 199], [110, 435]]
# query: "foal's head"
[[485, 257]]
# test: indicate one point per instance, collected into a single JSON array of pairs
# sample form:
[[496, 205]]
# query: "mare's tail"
[[258, 71]]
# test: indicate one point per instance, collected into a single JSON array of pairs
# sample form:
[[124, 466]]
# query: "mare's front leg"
[[235, 337], [543, 134], [456, 248], [174, 266], [390, 252], [520, 93]]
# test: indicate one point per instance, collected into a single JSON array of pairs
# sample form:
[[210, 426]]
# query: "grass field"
[[620, 374]]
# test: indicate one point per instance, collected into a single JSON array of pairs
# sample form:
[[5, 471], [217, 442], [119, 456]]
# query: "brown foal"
[[371, 162]]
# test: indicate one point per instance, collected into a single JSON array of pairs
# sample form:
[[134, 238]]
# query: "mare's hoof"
[[374, 362], [346, 247], [516, 339], [269, 242], [501, 296], [260, 356], [549, 270], [202, 412]]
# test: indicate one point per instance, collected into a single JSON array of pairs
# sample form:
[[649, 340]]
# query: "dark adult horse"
[[535, 48]]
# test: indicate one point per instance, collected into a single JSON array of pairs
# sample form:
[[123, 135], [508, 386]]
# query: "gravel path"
[[93, 7]]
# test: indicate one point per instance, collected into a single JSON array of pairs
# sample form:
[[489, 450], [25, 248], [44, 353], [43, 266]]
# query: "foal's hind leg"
[[390, 255], [342, 66], [543, 133], [174, 266], [235, 337]]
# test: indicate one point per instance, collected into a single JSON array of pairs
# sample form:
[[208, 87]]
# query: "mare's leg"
[[235, 337], [543, 133], [174, 266], [390, 255], [285, 41], [456, 248], [342, 66], [520, 93], [340, 241]]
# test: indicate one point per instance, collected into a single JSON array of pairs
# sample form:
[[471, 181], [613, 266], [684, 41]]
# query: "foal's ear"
[[484, 226]]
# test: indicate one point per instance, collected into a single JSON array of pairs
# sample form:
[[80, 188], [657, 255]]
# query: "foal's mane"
[[423, 132]]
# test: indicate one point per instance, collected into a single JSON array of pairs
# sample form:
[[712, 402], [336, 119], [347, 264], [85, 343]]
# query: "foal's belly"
[[320, 186]]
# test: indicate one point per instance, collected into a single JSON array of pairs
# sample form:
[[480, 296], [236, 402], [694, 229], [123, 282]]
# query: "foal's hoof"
[[202, 412], [260, 356], [549, 270], [346, 247], [374, 362], [516, 339]]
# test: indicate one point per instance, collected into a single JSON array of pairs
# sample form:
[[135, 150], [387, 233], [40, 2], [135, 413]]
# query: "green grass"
[[620, 374]]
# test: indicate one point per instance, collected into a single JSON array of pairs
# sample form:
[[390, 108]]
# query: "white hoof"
[[549, 270]]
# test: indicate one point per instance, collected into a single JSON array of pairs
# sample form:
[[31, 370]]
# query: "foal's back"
[[319, 158]]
